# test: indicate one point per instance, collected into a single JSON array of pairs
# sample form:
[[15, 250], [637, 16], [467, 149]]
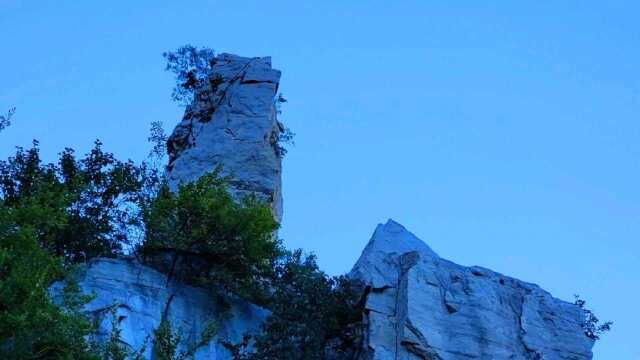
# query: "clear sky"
[[505, 134]]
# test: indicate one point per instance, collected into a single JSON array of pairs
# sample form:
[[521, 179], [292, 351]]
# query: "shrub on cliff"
[[234, 239], [591, 325]]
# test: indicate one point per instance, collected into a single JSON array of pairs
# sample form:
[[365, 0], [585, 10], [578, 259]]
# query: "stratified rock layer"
[[233, 123], [420, 306], [139, 297]]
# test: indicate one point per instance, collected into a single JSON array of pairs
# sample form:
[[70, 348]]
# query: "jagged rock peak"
[[420, 306], [393, 237], [232, 123]]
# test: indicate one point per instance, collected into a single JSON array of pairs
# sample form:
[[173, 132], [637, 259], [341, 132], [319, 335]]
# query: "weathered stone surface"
[[233, 123], [420, 306], [140, 296]]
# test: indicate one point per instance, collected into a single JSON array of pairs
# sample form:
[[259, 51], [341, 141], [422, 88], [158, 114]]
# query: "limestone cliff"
[[233, 123], [420, 306], [139, 297], [417, 305]]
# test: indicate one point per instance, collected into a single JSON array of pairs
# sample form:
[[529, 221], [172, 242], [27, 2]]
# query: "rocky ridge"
[[420, 306], [417, 305]]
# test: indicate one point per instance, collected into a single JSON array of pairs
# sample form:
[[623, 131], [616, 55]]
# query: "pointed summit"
[[390, 240], [420, 306], [393, 237]]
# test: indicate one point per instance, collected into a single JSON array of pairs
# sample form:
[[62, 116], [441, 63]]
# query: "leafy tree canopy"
[[234, 239], [78, 209], [31, 325]]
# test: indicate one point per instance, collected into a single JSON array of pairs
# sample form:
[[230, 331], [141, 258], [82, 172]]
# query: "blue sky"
[[505, 134]]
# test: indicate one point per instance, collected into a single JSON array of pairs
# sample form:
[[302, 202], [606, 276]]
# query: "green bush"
[[234, 240]]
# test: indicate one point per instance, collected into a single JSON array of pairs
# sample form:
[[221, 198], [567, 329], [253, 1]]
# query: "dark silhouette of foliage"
[[592, 327], [5, 120], [191, 67], [309, 309], [158, 139]]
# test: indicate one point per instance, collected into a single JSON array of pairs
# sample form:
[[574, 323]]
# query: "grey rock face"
[[420, 306], [232, 123], [140, 296]]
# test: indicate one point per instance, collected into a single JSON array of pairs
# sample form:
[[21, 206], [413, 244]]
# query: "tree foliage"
[[158, 139], [191, 67], [309, 309], [168, 344], [5, 120], [78, 208], [52, 216], [235, 239], [31, 325], [592, 327]]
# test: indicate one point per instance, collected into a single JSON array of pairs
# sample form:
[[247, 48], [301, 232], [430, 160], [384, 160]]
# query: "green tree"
[[78, 209], [234, 240], [309, 308], [31, 325], [52, 216]]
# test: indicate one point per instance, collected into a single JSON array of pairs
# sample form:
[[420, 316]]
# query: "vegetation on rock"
[[592, 327], [235, 240], [53, 216], [191, 67], [309, 309], [196, 84]]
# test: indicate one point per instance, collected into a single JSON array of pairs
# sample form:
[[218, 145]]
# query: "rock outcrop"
[[140, 297], [233, 123], [417, 305], [420, 306]]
